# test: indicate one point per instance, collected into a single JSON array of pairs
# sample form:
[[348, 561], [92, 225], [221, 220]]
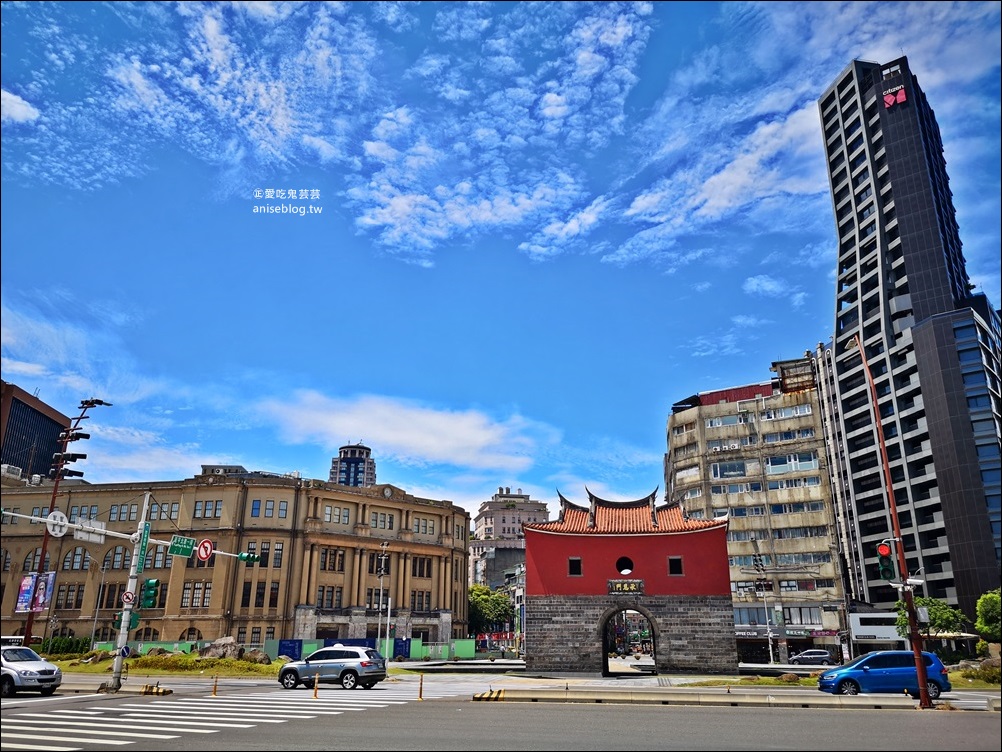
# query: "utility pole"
[[381, 571], [140, 540], [914, 636], [57, 472]]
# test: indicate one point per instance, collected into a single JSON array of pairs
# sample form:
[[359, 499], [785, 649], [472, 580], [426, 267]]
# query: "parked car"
[[813, 657], [348, 665], [888, 671], [24, 670]]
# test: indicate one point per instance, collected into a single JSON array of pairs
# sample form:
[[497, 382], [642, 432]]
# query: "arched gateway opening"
[[629, 646]]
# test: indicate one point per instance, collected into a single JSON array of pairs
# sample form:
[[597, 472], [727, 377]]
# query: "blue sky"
[[514, 234]]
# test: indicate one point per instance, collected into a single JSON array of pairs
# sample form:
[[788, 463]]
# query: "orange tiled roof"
[[603, 517]]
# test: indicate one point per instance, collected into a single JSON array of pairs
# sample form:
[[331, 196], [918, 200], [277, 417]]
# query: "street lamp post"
[[914, 636], [381, 571], [97, 605], [61, 458]]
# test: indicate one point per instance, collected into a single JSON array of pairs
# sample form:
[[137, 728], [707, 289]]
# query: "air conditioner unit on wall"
[[714, 449], [734, 446]]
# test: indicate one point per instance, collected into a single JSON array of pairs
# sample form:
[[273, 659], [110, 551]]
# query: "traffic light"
[[133, 620], [885, 559], [59, 459], [248, 558], [149, 594]]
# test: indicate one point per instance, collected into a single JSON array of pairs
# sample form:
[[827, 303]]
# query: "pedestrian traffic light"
[[133, 620], [149, 595], [885, 559], [248, 558]]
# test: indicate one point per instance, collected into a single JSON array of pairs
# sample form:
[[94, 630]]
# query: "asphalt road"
[[273, 719]]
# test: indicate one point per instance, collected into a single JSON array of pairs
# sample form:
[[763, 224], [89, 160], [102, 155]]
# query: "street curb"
[[681, 696]]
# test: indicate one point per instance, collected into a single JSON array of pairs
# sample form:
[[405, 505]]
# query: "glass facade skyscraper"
[[932, 348]]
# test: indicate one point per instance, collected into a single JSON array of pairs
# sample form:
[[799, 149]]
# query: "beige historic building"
[[328, 554]]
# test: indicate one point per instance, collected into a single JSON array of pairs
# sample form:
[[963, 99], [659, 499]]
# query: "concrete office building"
[[498, 543], [931, 348]]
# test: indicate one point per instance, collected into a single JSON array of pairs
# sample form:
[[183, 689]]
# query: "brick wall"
[[691, 633]]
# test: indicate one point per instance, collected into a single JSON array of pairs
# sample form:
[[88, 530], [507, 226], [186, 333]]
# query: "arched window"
[[121, 557], [76, 559], [192, 634], [31, 561]]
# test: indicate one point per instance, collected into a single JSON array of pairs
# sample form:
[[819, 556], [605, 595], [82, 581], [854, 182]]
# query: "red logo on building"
[[893, 98]]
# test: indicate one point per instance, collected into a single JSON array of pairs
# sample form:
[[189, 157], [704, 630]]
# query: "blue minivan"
[[889, 671]]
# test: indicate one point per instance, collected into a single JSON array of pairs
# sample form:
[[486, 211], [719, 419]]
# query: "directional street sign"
[[94, 532], [181, 546], [143, 542]]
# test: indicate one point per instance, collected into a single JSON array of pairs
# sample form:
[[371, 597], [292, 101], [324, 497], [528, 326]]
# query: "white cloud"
[[412, 433], [13, 109]]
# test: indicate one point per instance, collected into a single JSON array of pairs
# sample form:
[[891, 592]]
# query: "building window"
[[256, 508], [421, 566], [259, 595], [675, 566], [574, 567], [273, 596], [269, 508], [276, 559], [283, 510]]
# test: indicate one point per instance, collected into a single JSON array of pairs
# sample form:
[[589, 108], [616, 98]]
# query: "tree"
[[943, 618], [987, 623], [489, 610]]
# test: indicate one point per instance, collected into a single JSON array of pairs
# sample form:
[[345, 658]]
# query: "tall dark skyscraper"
[[933, 349], [29, 433], [353, 466]]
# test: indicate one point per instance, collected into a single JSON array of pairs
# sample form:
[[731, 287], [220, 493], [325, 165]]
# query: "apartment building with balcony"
[[755, 454]]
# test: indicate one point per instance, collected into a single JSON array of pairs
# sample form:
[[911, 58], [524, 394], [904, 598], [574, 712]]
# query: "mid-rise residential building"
[[327, 553], [498, 542], [353, 466], [755, 454], [911, 344]]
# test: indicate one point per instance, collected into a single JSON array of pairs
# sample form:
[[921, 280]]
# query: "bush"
[[988, 672], [981, 649]]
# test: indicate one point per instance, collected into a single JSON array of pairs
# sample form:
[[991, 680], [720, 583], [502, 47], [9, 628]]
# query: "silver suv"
[[24, 670], [815, 657], [348, 665]]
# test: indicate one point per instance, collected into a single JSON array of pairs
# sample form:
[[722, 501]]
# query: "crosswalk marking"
[[81, 728], [101, 726]]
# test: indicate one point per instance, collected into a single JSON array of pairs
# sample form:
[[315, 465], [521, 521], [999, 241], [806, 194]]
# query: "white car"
[[24, 670]]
